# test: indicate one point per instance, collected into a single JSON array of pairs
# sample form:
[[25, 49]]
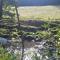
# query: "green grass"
[[39, 13], [4, 55]]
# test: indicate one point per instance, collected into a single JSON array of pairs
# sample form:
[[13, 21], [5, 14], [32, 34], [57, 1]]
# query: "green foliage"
[[43, 34], [4, 55], [45, 26], [3, 31], [8, 18]]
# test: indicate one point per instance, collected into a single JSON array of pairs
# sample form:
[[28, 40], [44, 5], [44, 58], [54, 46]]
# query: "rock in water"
[[4, 41]]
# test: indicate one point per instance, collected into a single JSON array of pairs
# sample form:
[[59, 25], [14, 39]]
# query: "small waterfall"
[[27, 57]]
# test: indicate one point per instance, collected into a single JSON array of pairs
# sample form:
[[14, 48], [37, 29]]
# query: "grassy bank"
[[39, 13]]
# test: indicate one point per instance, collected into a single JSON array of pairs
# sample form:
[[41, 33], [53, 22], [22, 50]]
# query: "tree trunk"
[[1, 5]]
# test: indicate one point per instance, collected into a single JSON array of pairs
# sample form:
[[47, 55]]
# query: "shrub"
[[4, 55]]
